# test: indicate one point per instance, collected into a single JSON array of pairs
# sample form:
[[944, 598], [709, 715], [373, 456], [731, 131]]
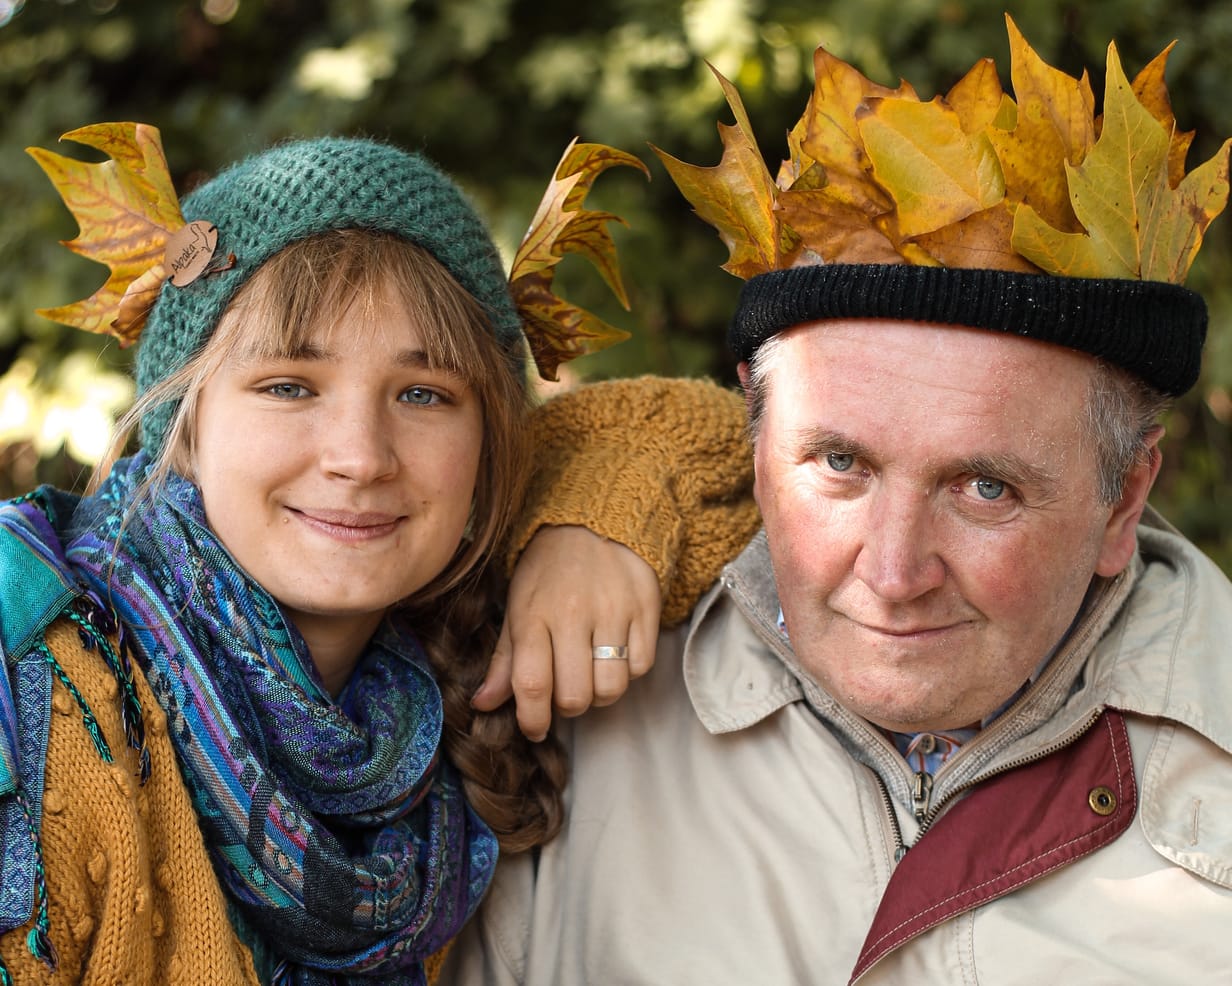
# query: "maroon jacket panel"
[[1008, 831]]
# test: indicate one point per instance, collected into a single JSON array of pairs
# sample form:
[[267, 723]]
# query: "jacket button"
[[1102, 800]]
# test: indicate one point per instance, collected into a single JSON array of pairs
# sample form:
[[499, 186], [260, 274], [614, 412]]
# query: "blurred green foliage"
[[494, 90]]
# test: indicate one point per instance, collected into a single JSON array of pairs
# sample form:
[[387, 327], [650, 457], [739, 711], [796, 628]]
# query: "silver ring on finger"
[[609, 652]]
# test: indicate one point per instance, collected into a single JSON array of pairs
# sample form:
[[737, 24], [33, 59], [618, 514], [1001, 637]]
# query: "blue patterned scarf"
[[344, 844]]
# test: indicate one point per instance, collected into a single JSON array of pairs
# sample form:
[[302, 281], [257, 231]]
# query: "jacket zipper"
[[900, 848], [922, 787], [921, 793]]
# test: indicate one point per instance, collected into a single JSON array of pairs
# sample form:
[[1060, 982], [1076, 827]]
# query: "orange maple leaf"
[[125, 208], [737, 196], [1055, 125], [556, 330]]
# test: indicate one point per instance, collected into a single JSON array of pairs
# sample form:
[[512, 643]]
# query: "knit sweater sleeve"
[[660, 465], [131, 893]]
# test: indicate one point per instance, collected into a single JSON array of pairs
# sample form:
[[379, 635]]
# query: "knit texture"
[[132, 894], [662, 466], [1150, 328], [299, 189]]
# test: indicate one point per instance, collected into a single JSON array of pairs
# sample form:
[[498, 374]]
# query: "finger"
[[497, 686], [531, 679], [573, 689], [643, 642], [611, 677]]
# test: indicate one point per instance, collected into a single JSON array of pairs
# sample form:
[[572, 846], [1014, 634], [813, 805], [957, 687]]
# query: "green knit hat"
[[299, 189]]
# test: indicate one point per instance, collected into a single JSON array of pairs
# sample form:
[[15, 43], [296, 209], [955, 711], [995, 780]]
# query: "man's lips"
[[920, 630]]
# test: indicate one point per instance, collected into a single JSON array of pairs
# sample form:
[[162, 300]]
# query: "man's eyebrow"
[[1011, 468], [812, 442]]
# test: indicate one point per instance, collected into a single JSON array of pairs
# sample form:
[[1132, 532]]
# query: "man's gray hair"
[[1120, 412]]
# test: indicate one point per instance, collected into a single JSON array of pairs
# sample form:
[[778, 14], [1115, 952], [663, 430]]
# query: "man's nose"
[[898, 557]]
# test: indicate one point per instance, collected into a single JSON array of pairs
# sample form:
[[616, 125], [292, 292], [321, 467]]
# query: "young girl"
[[282, 592]]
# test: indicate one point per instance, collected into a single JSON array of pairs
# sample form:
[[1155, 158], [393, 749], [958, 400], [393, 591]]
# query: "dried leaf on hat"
[[1152, 92], [974, 178], [1137, 225], [737, 196], [1055, 124], [125, 208], [556, 330]]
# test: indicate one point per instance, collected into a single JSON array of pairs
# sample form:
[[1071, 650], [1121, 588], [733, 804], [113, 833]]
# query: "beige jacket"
[[730, 824]]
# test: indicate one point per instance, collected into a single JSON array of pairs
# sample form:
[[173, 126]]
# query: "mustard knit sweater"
[[132, 896], [655, 464], [661, 465]]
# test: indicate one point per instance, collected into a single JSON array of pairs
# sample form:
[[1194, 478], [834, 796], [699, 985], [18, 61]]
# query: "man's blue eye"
[[989, 489], [840, 461]]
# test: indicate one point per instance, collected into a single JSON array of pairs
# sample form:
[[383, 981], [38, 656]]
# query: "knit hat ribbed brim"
[[300, 189], [1150, 328]]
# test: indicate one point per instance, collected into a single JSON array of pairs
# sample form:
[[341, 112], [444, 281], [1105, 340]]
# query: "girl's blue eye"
[[840, 461], [419, 395], [287, 390], [989, 489]]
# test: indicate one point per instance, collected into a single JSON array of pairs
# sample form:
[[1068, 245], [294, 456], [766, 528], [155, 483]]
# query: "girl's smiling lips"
[[346, 525]]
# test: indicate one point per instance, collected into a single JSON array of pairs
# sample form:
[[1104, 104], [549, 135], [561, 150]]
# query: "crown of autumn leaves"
[[950, 210], [971, 179], [130, 219]]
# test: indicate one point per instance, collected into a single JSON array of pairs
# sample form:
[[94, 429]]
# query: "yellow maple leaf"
[[1055, 125], [827, 132], [979, 101], [1137, 225], [737, 196], [892, 168], [125, 208], [1152, 92], [936, 173], [556, 330]]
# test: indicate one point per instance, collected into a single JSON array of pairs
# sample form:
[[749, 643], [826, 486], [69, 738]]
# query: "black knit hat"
[[1153, 329]]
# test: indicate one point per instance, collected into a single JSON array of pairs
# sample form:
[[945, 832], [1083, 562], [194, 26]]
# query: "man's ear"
[[1120, 534], [742, 371]]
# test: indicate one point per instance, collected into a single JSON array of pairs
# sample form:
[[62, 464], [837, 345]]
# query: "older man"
[[961, 713]]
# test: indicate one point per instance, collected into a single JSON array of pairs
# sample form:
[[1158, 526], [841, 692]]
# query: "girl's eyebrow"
[[413, 358], [311, 352]]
